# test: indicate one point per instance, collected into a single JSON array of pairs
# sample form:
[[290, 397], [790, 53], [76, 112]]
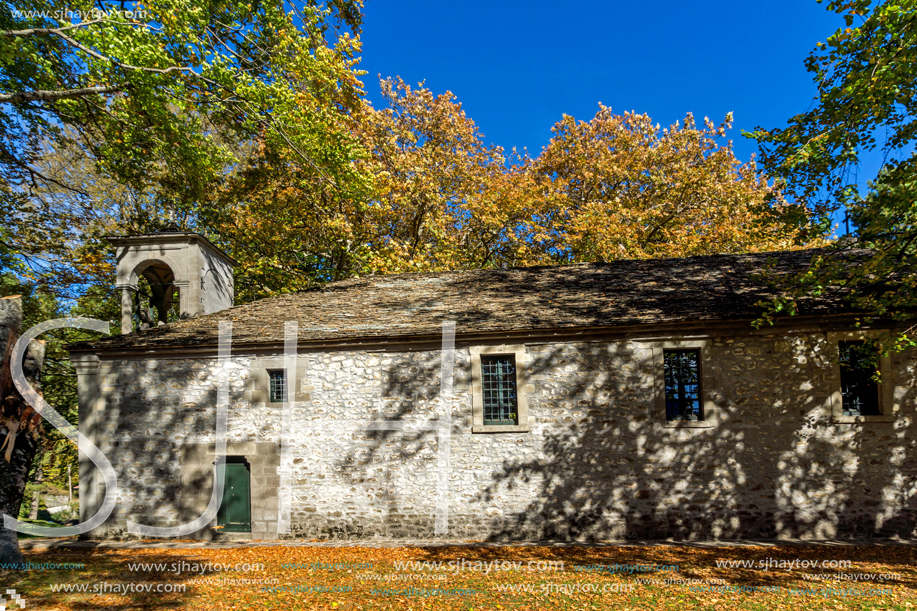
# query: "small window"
[[859, 391], [682, 385], [499, 389], [498, 385], [278, 380]]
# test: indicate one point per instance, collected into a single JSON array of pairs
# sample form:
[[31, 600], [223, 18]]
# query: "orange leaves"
[[292, 578], [430, 170], [414, 187], [628, 190]]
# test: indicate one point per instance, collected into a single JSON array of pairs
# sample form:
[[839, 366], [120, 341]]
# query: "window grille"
[[278, 380], [859, 391], [498, 383], [682, 385]]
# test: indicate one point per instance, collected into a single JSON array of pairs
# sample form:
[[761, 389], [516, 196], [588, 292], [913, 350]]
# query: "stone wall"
[[599, 461]]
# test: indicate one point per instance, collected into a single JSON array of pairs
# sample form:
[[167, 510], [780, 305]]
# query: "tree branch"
[[42, 95], [59, 32], [35, 31]]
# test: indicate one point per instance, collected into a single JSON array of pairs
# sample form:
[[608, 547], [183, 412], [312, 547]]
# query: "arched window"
[[156, 300]]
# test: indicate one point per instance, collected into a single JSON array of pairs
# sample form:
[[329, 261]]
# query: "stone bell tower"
[[172, 261]]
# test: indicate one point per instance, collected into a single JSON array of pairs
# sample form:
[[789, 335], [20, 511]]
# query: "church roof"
[[626, 293]]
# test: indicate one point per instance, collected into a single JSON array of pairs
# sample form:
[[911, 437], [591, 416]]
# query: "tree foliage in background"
[[622, 188], [443, 199], [615, 187], [866, 74], [159, 96], [289, 215], [426, 193]]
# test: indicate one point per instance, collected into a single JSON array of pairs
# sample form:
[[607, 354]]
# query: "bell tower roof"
[[170, 234]]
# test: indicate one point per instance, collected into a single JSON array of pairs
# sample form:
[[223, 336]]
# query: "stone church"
[[631, 399]]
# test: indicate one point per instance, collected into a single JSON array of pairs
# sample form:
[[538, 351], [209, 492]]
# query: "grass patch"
[[38, 523]]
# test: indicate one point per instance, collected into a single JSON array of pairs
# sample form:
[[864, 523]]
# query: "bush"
[[71, 513]]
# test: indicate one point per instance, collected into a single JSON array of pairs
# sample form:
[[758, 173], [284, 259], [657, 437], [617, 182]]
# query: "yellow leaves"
[[427, 193], [674, 193], [296, 565]]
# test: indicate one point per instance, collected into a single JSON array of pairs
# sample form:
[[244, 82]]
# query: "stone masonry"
[[599, 460]]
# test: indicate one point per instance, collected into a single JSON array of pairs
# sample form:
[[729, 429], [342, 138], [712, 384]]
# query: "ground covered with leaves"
[[524, 578]]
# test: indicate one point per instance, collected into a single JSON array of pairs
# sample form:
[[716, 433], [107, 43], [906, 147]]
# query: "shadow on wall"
[[774, 466], [600, 464], [143, 433], [392, 473]]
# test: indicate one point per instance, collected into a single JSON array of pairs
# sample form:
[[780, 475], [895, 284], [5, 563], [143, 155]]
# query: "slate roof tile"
[[628, 292]]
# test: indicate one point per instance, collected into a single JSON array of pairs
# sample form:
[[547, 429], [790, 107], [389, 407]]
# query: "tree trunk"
[[20, 425], [36, 497]]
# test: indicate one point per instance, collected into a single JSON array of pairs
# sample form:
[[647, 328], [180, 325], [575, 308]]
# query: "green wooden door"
[[235, 512]]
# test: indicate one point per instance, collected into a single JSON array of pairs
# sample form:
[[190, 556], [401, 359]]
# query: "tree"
[[54, 452], [618, 187], [290, 214], [160, 95], [21, 423], [113, 112], [425, 193], [408, 201], [866, 74], [443, 199], [614, 187]]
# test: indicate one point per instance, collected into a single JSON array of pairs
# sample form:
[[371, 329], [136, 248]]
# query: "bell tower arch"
[[173, 263]]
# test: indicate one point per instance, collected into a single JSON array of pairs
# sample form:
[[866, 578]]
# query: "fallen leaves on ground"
[[358, 578]]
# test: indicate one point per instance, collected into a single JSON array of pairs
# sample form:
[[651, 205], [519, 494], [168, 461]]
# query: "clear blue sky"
[[517, 66]]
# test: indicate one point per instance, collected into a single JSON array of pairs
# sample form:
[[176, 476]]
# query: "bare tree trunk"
[[20, 425], [36, 498]]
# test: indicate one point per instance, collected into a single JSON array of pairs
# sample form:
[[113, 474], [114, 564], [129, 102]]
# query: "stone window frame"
[[258, 384], [887, 407], [707, 383], [518, 352]]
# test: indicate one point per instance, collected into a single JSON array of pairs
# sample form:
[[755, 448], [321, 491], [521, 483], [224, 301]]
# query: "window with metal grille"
[[682, 385], [278, 378], [859, 391], [498, 384]]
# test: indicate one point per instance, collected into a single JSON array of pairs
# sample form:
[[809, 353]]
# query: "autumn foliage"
[[290, 578], [619, 187], [423, 191]]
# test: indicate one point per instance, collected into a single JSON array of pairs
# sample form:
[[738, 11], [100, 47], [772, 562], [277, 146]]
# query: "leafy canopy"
[[866, 74], [162, 96]]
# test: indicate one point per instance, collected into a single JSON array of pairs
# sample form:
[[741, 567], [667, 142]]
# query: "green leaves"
[[166, 100], [866, 74], [866, 79]]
